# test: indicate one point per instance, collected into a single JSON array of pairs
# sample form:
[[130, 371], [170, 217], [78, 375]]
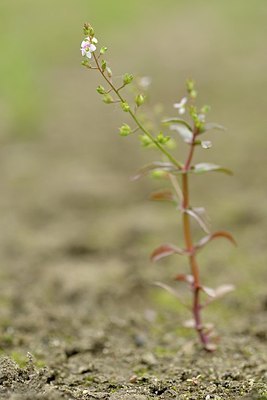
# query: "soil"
[[80, 317]]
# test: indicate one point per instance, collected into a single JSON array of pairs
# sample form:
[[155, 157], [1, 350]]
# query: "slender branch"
[[143, 129]]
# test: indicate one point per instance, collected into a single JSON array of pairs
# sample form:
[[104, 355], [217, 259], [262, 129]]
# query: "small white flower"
[[181, 106], [88, 46]]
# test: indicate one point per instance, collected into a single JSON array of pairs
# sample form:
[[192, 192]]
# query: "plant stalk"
[[196, 286]]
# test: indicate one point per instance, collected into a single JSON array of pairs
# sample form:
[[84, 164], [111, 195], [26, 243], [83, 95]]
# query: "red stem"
[[196, 306]]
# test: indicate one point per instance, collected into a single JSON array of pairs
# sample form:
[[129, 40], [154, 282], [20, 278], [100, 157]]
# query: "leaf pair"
[[168, 249], [168, 167]]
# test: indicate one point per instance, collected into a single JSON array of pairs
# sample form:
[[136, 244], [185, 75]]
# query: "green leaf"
[[155, 166], [207, 167], [212, 125], [172, 121], [185, 133]]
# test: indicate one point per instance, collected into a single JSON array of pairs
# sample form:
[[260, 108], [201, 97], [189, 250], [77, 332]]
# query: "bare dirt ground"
[[79, 316]]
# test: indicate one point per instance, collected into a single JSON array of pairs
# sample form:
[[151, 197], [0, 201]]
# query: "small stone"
[[133, 379], [139, 340], [150, 315], [149, 359]]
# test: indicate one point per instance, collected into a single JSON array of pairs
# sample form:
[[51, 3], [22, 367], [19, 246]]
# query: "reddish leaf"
[[162, 195], [215, 235], [185, 278], [166, 250]]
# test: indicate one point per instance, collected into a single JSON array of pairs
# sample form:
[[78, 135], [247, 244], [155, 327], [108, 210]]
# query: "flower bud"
[[193, 94], [158, 173], [85, 63], [127, 78], [107, 99], [109, 72], [125, 130], [145, 140], [162, 139], [103, 65], [205, 109], [100, 89], [190, 85], [88, 30], [103, 50], [139, 100], [125, 106]]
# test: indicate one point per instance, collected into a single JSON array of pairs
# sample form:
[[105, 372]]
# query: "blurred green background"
[[64, 170]]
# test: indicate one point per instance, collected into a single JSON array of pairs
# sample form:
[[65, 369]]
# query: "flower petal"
[[85, 43], [183, 101], [92, 47]]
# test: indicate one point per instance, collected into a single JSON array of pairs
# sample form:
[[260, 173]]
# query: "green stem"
[[139, 124]]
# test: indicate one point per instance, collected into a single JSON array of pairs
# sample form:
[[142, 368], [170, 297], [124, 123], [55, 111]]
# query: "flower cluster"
[[181, 105]]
